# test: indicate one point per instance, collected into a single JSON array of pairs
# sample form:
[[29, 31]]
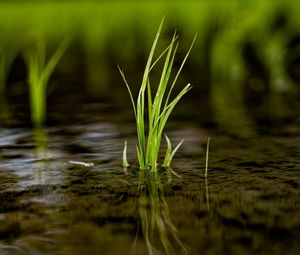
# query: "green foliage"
[[159, 107], [39, 72], [170, 153]]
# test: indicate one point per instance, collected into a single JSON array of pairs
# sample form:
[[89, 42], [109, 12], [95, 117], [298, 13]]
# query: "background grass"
[[111, 33]]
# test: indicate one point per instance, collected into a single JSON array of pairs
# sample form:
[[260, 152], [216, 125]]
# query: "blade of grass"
[[150, 105], [125, 162], [179, 70], [39, 73], [56, 57], [170, 153], [129, 90], [141, 102]]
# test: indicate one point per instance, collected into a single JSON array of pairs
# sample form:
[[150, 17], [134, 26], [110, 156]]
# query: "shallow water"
[[63, 191]]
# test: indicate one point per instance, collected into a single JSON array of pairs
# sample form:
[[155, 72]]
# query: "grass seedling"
[[159, 107], [125, 162], [206, 158], [170, 153], [39, 72]]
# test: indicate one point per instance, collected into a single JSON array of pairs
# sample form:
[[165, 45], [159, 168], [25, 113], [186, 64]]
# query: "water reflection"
[[41, 153], [206, 194], [46, 168], [160, 234]]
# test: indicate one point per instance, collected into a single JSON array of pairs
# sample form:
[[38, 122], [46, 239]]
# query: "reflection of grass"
[[39, 72], [206, 194], [41, 154], [206, 158], [157, 227], [159, 108]]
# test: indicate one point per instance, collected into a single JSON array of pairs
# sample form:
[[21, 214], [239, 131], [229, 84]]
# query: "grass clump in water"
[[159, 107]]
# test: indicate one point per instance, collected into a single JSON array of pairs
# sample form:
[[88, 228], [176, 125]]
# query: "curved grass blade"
[[125, 162], [129, 90], [170, 153], [179, 70], [39, 73]]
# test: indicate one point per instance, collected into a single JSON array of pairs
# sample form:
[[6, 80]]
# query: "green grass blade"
[[125, 162], [149, 61], [167, 110], [38, 76], [155, 136], [141, 161], [129, 90], [141, 100], [164, 52], [150, 105], [55, 58], [163, 81], [179, 70], [174, 152], [36, 89], [154, 139], [168, 152]]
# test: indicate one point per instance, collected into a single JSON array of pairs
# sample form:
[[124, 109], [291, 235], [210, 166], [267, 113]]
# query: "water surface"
[[63, 190]]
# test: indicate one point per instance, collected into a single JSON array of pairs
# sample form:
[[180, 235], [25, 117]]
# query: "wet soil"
[[64, 191]]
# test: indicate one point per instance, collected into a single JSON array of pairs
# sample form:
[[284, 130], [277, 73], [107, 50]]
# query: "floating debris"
[[81, 163]]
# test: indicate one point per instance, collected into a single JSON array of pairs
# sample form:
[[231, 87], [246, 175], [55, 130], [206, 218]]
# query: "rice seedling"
[[159, 107], [39, 72]]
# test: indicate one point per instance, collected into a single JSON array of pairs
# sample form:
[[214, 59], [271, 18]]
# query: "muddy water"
[[63, 191]]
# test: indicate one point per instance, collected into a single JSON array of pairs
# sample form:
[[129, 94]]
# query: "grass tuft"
[[159, 107], [39, 72], [170, 153]]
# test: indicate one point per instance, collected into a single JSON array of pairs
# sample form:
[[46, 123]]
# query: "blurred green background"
[[247, 53]]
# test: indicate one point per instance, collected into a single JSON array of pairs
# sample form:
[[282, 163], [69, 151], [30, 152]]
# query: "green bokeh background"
[[231, 36]]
